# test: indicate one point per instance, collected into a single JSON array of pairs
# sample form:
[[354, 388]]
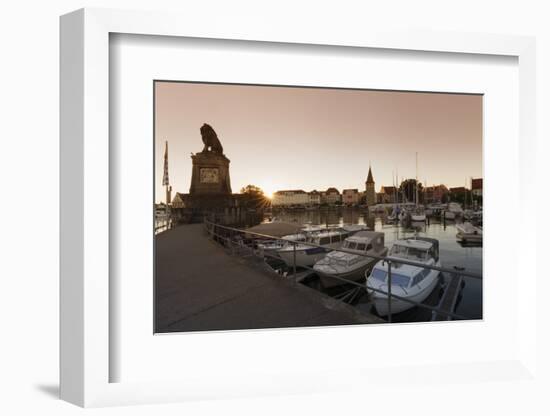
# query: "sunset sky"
[[312, 138]]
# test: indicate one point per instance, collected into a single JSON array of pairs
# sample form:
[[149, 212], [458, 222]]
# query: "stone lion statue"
[[210, 139]]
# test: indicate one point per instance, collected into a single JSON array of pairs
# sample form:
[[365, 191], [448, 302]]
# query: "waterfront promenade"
[[199, 286]]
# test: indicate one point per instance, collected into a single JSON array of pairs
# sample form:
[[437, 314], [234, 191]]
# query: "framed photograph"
[[274, 239], [322, 201]]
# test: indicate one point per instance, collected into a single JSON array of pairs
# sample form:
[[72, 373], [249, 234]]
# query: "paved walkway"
[[200, 287]]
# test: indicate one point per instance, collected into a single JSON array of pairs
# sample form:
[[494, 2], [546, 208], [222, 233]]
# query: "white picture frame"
[[85, 218]]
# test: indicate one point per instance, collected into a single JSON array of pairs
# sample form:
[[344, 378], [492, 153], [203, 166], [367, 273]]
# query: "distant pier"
[[200, 287]]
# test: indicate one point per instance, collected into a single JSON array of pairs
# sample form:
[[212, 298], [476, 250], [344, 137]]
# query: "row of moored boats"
[[362, 254], [419, 213]]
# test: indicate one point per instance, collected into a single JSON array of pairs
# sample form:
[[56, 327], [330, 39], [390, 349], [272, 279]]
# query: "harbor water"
[[452, 254]]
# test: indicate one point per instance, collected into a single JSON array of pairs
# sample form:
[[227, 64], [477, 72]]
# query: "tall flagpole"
[[416, 182], [165, 178]]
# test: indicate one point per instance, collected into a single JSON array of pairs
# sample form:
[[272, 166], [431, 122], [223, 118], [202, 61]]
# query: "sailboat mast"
[[397, 185], [472, 192], [465, 193]]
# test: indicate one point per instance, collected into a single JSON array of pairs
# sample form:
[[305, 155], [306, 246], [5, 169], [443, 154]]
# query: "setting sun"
[[267, 185]]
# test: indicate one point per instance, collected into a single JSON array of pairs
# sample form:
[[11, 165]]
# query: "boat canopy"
[[435, 244], [376, 239], [416, 248]]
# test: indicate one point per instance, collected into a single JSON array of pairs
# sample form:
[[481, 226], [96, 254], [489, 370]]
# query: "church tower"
[[370, 193]]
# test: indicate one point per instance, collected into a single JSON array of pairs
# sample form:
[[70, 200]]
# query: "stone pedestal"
[[210, 176]]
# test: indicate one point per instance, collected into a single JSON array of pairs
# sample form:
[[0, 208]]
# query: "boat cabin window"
[[419, 254], [361, 246], [412, 253], [350, 244], [398, 250], [324, 240], [336, 238]]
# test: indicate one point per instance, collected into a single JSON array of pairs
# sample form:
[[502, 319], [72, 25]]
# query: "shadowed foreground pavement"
[[200, 287]]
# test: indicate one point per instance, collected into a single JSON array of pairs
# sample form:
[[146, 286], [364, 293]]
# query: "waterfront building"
[[459, 190], [435, 194], [292, 197], [314, 198], [369, 189], [477, 187], [350, 197], [332, 196], [387, 195], [459, 194], [178, 201]]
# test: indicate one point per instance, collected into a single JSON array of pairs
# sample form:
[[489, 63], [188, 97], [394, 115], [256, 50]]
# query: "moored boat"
[[418, 215], [353, 263], [413, 282], [468, 233], [320, 244], [453, 211], [269, 248], [354, 228]]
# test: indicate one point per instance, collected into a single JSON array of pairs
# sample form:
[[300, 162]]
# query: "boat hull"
[[354, 275], [418, 218], [304, 257], [469, 238], [380, 300]]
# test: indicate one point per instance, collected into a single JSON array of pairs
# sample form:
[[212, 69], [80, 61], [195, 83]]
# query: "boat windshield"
[[412, 253], [396, 278], [379, 274]]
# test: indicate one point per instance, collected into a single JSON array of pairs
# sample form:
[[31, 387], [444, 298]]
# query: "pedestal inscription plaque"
[[210, 174]]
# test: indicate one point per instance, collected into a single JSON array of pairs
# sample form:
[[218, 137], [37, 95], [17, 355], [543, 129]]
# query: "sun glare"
[[268, 187]]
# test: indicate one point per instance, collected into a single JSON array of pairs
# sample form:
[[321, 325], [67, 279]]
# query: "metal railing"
[[162, 223], [226, 235]]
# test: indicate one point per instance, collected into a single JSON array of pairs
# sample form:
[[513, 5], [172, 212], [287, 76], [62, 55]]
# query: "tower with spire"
[[370, 192]]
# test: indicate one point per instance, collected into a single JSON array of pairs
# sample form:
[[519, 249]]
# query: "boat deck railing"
[[239, 241]]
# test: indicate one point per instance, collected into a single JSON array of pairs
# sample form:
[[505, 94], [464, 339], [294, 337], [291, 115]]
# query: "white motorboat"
[[411, 282], [269, 248], [307, 255], [351, 264], [434, 210], [468, 233], [309, 228], [455, 207], [354, 228], [453, 211]]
